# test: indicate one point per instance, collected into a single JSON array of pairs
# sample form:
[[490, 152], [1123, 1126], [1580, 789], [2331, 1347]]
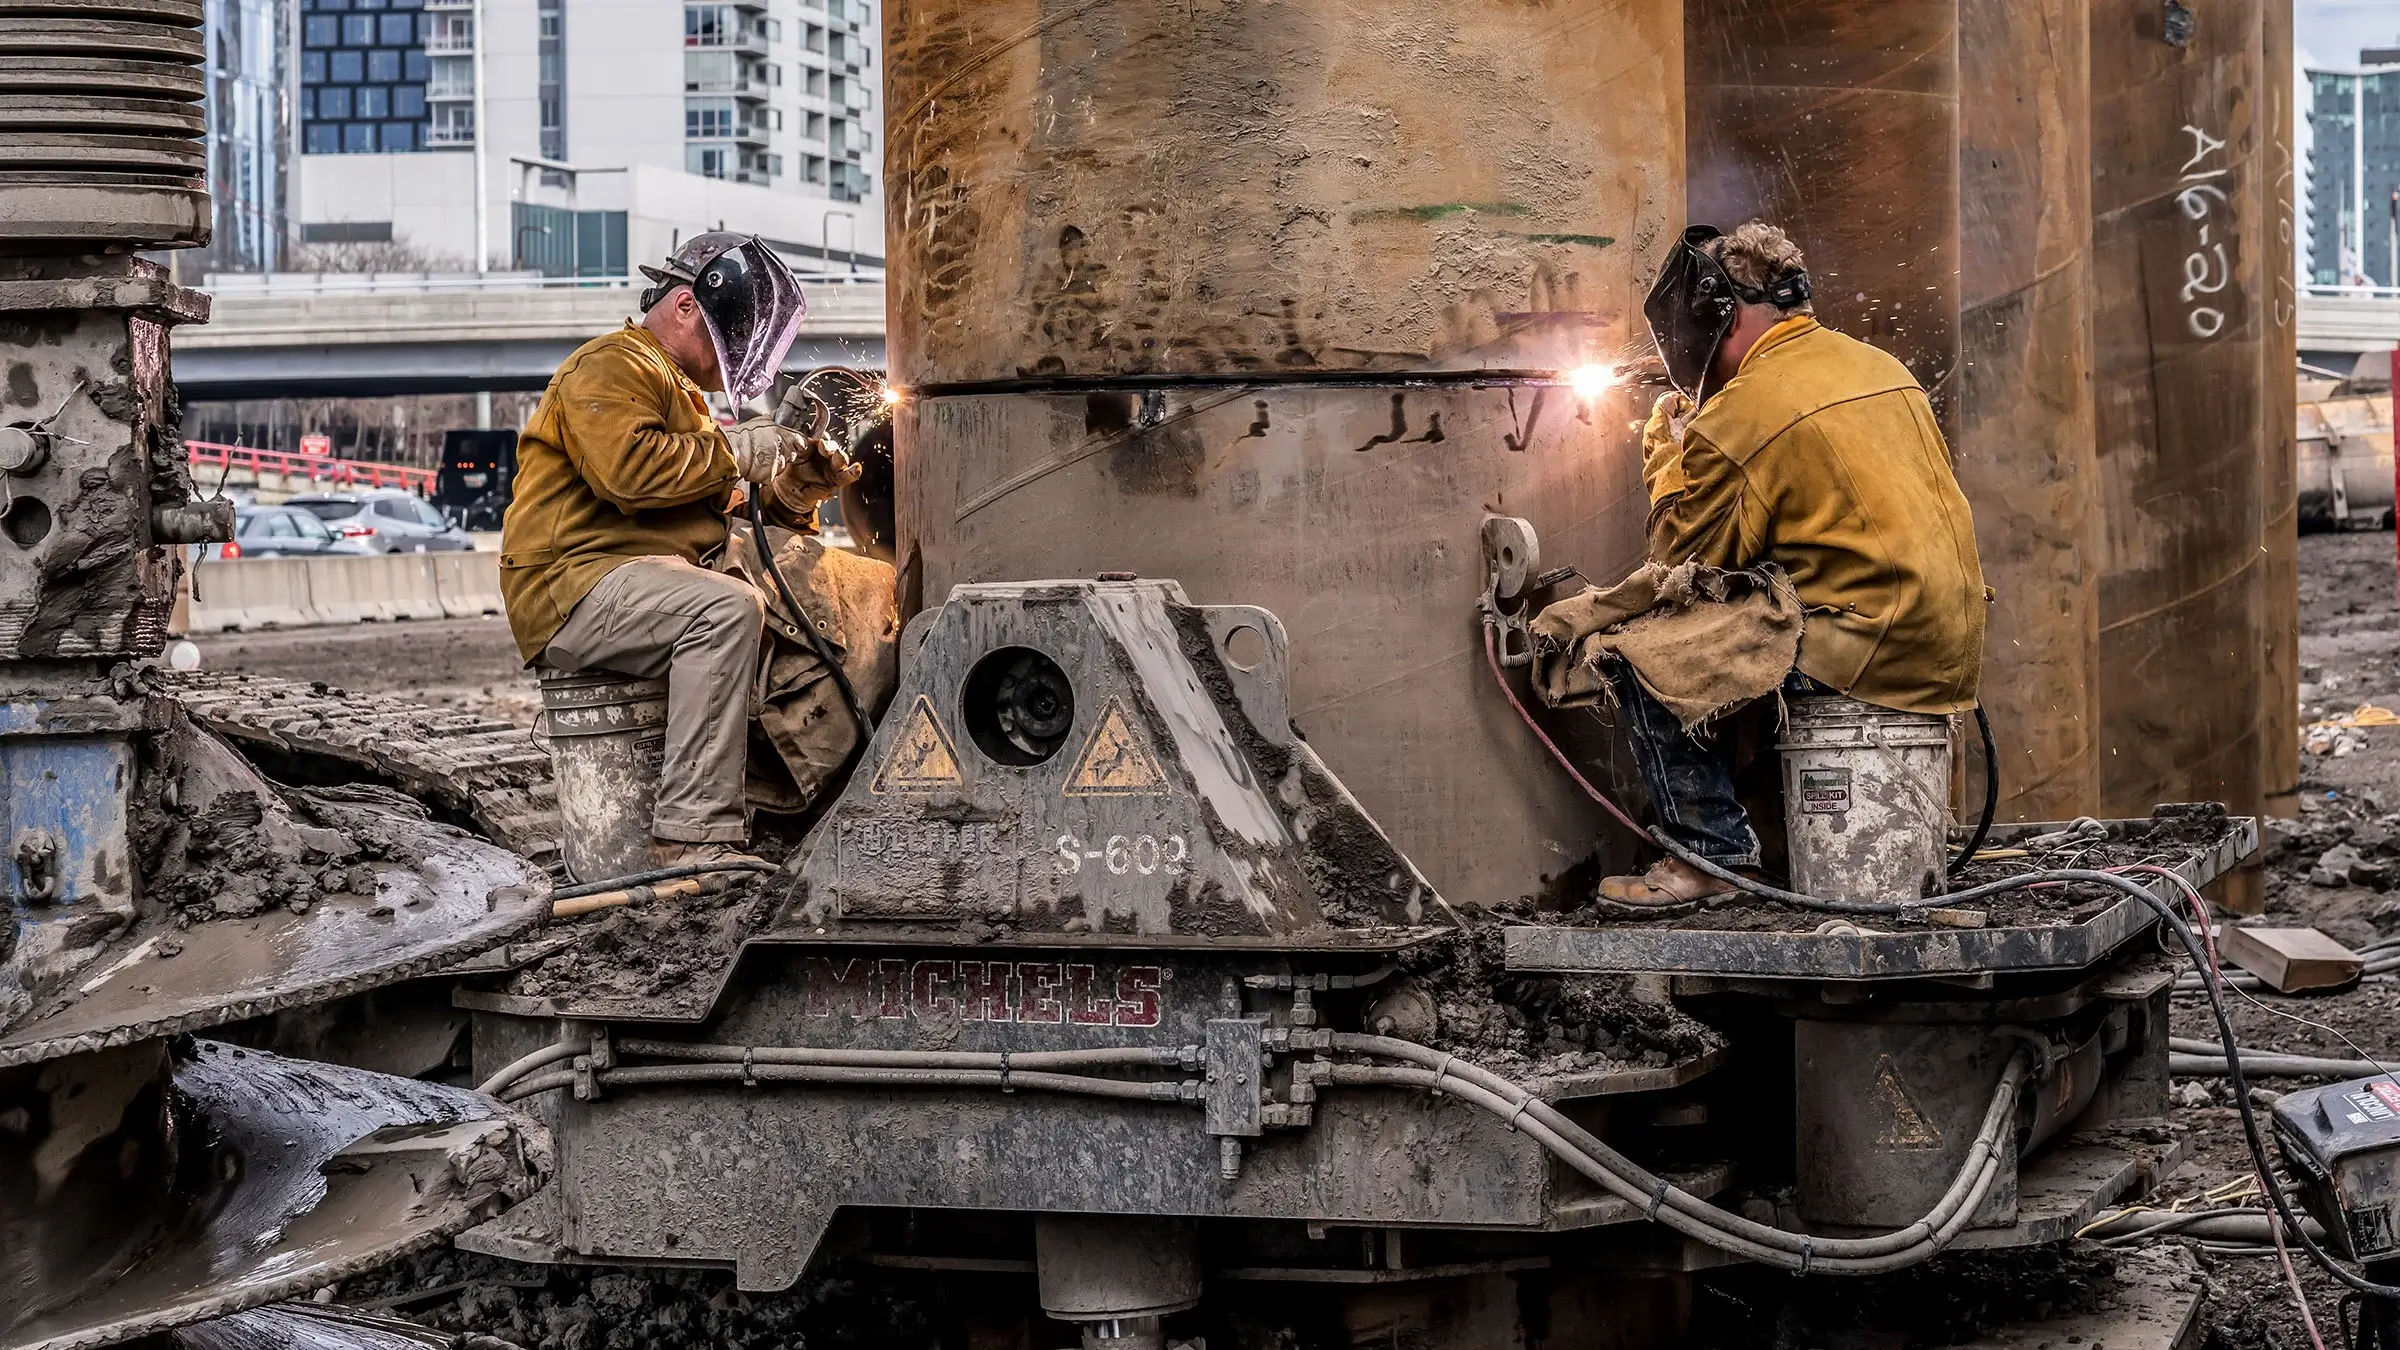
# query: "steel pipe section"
[[2181, 256], [100, 125], [2278, 496], [1839, 121], [2023, 445], [1272, 300]]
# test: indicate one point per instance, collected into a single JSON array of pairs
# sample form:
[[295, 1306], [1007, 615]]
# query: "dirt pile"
[[586, 1308], [1546, 1024], [1942, 1302], [214, 840]]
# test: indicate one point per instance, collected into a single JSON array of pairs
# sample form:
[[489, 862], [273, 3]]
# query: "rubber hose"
[[1675, 1219], [2218, 1225], [1991, 794], [518, 1068], [1645, 1184], [652, 1075], [2194, 1065], [816, 641], [1166, 1056]]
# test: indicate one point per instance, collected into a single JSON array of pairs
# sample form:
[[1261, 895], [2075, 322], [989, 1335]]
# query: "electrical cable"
[[1653, 1205], [831, 659], [1631, 1181], [2202, 956], [1991, 794], [518, 1068]]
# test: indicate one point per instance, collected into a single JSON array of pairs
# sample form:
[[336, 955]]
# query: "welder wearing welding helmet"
[[624, 478], [1784, 441]]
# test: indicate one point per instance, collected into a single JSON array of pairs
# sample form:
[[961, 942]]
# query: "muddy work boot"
[[676, 853], [1669, 882]]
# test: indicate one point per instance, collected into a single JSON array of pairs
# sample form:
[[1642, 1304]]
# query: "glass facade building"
[[249, 133], [2354, 173], [368, 82]]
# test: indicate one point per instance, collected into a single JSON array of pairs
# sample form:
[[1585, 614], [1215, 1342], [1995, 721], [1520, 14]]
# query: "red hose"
[[1491, 658]]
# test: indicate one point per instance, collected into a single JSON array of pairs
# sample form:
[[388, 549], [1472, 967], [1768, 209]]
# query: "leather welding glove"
[[1662, 446], [817, 470], [760, 448]]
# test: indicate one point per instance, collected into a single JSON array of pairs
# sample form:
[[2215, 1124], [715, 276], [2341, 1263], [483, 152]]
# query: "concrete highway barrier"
[[252, 593]]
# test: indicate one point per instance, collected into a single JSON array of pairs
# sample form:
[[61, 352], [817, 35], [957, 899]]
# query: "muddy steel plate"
[[466, 896], [1852, 956], [334, 1171]]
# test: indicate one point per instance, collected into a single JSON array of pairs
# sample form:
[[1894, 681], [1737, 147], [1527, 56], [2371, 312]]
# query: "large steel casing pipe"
[[1838, 120], [2180, 243], [2023, 446], [1254, 296], [2278, 497]]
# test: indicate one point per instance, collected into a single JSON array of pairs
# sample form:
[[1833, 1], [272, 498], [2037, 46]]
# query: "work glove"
[[760, 446], [817, 470], [1662, 445]]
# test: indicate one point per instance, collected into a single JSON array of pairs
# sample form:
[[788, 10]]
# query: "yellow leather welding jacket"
[[1822, 455], [621, 460]]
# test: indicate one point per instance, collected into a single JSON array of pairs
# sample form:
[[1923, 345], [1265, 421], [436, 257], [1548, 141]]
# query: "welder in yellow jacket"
[[1790, 443], [623, 480]]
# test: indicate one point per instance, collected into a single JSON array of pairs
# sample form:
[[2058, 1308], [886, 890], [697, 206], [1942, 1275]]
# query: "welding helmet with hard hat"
[[1693, 304], [748, 299]]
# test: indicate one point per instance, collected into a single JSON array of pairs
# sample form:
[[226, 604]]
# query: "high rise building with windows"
[[604, 131], [249, 73], [2354, 172]]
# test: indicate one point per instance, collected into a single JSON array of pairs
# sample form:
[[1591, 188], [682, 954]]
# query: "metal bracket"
[[1512, 559], [1236, 1091]]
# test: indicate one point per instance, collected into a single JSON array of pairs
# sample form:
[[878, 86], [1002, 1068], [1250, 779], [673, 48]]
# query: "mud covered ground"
[[466, 664], [2349, 654]]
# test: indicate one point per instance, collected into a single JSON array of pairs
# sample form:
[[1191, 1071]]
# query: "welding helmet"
[[748, 299], [1692, 306]]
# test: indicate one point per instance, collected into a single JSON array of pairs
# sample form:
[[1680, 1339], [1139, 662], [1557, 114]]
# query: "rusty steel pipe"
[[2023, 446], [2181, 251], [1271, 299], [1838, 120], [2279, 356]]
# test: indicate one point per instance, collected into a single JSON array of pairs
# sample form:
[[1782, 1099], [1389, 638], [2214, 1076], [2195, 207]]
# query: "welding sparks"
[[1591, 381], [890, 396]]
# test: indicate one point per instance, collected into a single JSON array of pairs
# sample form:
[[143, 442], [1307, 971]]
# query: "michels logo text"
[[984, 991]]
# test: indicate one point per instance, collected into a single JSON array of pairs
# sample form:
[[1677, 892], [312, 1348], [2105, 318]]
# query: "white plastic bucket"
[[1866, 799], [607, 734]]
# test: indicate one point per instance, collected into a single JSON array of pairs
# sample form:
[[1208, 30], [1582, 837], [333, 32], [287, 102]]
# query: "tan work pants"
[[663, 618]]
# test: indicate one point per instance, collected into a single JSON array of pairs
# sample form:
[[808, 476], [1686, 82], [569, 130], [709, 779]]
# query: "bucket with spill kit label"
[[608, 734], [1866, 799]]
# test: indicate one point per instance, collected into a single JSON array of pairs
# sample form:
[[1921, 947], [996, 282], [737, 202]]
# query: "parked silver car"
[[387, 520], [283, 532]]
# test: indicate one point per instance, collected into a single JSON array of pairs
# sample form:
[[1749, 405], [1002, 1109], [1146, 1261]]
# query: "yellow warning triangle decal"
[[921, 758], [1907, 1127], [1116, 760]]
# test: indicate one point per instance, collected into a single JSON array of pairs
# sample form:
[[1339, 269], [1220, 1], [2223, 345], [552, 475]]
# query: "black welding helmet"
[[1693, 303], [747, 297]]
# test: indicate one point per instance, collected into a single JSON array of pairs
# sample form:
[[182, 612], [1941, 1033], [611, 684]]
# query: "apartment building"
[[2354, 172], [599, 132]]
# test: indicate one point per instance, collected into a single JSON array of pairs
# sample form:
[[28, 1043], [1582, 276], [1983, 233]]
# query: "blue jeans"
[[1690, 781]]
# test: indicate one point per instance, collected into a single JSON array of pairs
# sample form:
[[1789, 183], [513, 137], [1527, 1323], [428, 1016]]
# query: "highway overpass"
[[2336, 327], [294, 335], [299, 335]]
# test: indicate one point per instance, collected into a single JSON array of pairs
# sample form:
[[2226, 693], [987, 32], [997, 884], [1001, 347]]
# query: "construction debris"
[[2291, 959]]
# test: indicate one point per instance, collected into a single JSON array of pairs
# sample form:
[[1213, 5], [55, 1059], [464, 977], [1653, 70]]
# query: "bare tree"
[[391, 255]]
